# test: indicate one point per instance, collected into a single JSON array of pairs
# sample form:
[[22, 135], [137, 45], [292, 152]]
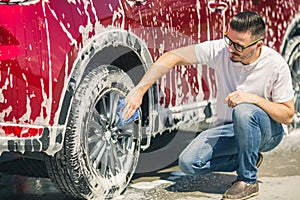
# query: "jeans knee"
[[243, 113], [188, 166], [185, 165], [239, 112]]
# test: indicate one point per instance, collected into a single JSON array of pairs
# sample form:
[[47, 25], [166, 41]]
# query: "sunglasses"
[[237, 46]]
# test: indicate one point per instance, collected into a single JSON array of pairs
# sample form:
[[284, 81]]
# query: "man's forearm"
[[280, 112], [181, 56]]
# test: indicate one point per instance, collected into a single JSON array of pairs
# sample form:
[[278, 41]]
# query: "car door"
[[168, 24]]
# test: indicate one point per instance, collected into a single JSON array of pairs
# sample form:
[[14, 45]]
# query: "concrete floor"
[[279, 175]]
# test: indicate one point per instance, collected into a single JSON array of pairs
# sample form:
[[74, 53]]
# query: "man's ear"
[[260, 44]]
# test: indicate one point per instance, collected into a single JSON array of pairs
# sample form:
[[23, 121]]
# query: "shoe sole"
[[243, 198]]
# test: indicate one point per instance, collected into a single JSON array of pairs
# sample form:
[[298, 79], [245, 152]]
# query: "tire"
[[292, 56], [99, 157]]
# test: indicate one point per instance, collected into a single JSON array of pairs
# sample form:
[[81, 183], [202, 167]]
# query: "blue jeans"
[[233, 146]]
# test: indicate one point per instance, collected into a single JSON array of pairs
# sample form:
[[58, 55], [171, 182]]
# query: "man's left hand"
[[237, 97]]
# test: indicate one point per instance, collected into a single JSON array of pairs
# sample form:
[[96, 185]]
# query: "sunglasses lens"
[[238, 47], [235, 45], [227, 40]]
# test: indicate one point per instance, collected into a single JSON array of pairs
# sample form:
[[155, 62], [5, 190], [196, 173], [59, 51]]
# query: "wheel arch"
[[120, 48], [290, 50], [292, 31]]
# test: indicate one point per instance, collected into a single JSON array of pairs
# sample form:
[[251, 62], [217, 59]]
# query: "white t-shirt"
[[269, 76]]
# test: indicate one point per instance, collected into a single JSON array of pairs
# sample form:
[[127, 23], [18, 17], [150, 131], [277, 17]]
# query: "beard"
[[236, 57]]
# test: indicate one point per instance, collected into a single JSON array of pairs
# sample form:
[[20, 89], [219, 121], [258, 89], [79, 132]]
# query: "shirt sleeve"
[[283, 88], [206, 52]]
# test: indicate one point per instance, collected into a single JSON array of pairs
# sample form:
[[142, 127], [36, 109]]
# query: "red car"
[[65, 66]]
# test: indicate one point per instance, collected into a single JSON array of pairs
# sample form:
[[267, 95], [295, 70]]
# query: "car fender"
[[90, 57]]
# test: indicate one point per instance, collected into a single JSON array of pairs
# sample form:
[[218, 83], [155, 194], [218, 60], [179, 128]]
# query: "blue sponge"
[[120, 107]]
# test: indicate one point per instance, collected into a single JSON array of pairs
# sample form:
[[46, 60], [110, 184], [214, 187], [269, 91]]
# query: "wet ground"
[[279, 175]]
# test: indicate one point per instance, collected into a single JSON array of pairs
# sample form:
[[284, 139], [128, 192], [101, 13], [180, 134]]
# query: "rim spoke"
[[113, 104], [104, 163], [99, 156], [122, 133], [95, 125], [126, 133], [95, 152], [120, 147], [116, 166], [129, 144], [101, 110], [117, 159], [94, 138], [112, 159]]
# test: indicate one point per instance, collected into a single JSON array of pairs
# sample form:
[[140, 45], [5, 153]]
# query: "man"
[[257, 88]]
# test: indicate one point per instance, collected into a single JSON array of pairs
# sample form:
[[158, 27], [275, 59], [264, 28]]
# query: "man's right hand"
[[132, 102]]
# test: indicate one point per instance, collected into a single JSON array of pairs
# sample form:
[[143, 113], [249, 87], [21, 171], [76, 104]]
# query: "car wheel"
[[292, 56], [99, 155]]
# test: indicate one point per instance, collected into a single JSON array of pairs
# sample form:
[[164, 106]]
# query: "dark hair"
[[249, 21]]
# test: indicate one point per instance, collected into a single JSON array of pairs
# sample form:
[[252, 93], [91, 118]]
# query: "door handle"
[[138, 2], [217, 6]]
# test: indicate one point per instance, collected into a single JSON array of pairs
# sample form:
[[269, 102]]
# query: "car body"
[[65, 65]]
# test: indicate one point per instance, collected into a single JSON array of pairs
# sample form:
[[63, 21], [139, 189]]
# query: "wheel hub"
[[107, 135]]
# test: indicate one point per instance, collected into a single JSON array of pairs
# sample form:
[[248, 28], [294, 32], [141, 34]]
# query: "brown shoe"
[[259, 159], [241, 190]]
